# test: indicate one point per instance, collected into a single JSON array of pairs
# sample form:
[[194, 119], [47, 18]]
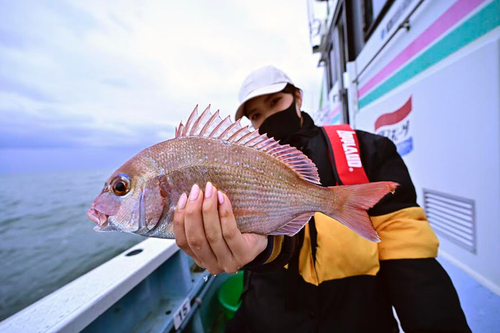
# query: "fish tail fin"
[[352, 203]]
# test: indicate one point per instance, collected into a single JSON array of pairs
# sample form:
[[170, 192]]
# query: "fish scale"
[[243, 183], [274, 189]]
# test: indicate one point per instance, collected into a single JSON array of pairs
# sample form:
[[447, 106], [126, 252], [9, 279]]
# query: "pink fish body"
[[274, 189]]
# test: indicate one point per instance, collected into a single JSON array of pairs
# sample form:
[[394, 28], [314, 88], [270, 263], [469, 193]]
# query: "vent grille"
[[452, 217]]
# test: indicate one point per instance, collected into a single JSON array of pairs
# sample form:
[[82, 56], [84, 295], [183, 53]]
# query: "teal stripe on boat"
[[335, 120], [484, 21]]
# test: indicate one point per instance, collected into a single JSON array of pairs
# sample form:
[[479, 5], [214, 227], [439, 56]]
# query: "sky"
[[125, 73]]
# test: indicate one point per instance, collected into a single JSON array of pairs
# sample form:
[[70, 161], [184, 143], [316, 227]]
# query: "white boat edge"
[[75, 305]]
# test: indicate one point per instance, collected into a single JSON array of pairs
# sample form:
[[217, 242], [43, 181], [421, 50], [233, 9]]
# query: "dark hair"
[[291, 89]]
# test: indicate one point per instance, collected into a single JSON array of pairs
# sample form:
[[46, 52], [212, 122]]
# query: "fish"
[[274, 189]]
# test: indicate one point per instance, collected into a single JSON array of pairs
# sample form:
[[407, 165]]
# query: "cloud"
[[10, 85], [103, 72], [51, 130], [10, 39]]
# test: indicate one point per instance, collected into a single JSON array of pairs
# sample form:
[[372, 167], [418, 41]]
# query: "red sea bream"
[[274, 189]]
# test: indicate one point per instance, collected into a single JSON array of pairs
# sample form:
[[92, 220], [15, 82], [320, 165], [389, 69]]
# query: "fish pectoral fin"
[[153, 202], [294, 226]]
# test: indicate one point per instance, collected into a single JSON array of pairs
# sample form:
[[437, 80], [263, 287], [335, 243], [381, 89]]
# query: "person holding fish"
[[326, 276], [317, 256]]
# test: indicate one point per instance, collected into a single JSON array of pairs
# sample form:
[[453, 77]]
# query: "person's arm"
[[423, 295], [399, 220], [418, 287]]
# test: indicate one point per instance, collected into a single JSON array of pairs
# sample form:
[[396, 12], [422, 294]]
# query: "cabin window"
[[373, 12], [332, 68]]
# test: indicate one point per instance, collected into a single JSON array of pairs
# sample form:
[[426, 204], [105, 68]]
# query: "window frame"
[[369, 28]]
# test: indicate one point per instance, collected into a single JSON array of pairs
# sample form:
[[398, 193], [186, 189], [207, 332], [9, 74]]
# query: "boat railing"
[[150, 287]]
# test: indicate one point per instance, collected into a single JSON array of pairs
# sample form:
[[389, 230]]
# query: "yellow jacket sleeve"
[[405, 234]]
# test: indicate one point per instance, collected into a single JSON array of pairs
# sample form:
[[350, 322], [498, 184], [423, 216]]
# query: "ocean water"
[[46, 240]]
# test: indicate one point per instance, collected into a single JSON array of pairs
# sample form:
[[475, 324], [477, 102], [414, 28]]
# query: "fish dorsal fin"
[[208, 125], [191, 119]]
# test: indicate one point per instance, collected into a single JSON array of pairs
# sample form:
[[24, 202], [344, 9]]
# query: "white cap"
[[263, 81]]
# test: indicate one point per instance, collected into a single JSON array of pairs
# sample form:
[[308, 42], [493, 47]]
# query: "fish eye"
[[120, 185]]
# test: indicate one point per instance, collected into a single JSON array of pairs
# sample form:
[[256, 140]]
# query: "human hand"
[[205, 228]]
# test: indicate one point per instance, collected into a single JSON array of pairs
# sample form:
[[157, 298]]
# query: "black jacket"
[[404, 273]]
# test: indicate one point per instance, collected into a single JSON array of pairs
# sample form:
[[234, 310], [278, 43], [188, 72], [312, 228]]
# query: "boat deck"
[[481, 306]]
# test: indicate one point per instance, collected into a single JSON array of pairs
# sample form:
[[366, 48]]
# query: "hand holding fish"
[[205, 228]]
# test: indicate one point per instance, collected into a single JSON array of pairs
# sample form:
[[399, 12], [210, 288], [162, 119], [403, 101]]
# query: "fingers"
[[243, 247], [179, 230], [195, 231], [213, 230], [205, 228]]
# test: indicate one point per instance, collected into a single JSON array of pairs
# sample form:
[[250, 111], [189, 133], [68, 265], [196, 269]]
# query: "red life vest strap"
[[344, 154]]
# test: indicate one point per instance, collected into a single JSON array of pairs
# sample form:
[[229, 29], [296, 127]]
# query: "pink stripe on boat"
[[454, 14], [332, 114]]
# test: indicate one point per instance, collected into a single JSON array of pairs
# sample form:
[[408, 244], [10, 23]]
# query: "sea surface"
[[46, 240]]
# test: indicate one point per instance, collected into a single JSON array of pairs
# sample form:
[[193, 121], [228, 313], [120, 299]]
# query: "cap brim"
[[270, 89]]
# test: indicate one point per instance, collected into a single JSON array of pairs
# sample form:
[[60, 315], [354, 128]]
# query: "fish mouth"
[[97, 217]]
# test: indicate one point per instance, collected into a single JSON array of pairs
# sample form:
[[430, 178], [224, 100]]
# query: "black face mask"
[[282, 125]]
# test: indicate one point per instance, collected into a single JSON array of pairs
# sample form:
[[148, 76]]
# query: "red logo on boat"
[[396, 126], [394, 117]]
